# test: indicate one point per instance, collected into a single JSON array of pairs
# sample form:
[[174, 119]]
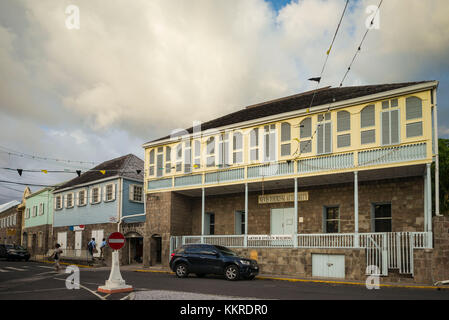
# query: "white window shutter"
[[113, 191], [91, 196], [54, 202], [77, 198], [131, 192], [43, 208], [65, 201], [104, 193]]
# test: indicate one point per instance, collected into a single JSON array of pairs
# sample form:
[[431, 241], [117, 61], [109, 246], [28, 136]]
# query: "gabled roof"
[[125, 166], [8, 205], [300, 101]]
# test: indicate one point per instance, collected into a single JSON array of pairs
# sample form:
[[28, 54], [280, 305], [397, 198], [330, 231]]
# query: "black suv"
[[203, 259], [13, 252]]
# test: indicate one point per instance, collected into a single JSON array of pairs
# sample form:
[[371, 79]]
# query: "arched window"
[[237, 148], [254, 145], [211, 152], [285, 139], [367, 124], [305, 134]]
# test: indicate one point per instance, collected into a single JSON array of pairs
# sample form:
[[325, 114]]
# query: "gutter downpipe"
[[437, 163]]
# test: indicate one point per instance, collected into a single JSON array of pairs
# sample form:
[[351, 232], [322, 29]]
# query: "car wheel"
[[200, 275], [181, 270], [232, 273]]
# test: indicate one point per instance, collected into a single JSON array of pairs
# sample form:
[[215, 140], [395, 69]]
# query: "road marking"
[[1, 270], [16, 269]]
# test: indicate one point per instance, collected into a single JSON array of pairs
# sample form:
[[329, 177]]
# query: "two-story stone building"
[[94, 205], [320, 184], [10, 223]]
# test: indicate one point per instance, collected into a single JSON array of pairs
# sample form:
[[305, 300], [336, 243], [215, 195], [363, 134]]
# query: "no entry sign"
[[116, 240]]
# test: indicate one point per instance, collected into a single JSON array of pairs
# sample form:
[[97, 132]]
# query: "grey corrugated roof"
[[125, 166], [8, 205], [298, 102]]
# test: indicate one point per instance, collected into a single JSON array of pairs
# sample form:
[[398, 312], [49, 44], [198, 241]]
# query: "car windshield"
[[226, 252]]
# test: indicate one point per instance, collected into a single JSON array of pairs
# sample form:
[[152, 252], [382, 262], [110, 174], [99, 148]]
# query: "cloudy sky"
[[136, 70]]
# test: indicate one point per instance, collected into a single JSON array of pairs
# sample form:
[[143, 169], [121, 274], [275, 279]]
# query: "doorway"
[[134, 242], [156, 249], [282, 221]]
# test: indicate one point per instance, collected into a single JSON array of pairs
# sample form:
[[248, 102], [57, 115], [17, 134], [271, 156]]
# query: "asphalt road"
[[31, 280]]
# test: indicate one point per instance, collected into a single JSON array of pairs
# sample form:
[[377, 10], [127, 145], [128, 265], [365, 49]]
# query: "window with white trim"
[[69, 200], [324, 134], [390, 119], [197, 155], [285, 139], [413, 116], [136, 193], [305, 135], [151, 168], [167, 160], [269, 143], [58, 202], [34, 211], [223, 150], [179, 157], [82, 198], [110, 196], [160, 162], [210, 152], [95, 195], [188, 156], [254, 145], [27, 213], [237, 148], [41, 209]]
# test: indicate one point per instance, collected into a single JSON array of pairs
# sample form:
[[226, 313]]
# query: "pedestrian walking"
[[56, 256], [102, 248], [91, 247]]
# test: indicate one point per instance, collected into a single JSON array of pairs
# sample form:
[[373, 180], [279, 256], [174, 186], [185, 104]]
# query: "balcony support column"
[[203, 209], [429, 197], [295, 235], [246, 216], [356, 209]]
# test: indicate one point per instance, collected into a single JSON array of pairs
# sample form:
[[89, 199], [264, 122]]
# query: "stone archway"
[[133, 247]]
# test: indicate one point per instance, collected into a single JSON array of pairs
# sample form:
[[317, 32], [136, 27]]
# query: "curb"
[[66, 263], [321, 281]]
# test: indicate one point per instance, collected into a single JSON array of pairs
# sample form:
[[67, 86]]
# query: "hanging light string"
[[359, 48], [35, 157], [318, 79]]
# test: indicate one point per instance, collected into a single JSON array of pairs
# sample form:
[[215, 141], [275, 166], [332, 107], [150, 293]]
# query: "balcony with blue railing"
[[323, 164]]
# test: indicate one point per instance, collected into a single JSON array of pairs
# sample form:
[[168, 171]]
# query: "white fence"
[[392, 250]]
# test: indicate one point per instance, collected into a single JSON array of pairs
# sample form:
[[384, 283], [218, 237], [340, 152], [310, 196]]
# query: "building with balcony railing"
[[329, 183]]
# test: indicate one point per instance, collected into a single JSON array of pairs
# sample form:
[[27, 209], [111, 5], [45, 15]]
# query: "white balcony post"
[[203, 208], [295, 230], [429, 198], [245, 241], [356, 209]]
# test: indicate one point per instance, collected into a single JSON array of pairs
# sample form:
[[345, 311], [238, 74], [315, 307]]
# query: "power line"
[[359, 48]]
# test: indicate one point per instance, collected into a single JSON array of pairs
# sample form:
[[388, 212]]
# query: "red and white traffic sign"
[[116, 240]]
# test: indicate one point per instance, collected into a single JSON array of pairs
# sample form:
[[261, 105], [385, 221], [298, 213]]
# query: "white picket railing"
[[393, 250]]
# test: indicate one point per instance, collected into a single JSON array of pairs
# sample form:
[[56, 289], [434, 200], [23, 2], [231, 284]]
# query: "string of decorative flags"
[[78, 172]]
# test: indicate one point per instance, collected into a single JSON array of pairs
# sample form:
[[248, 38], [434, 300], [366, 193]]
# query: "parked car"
[[202, 259], [13, 252]]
